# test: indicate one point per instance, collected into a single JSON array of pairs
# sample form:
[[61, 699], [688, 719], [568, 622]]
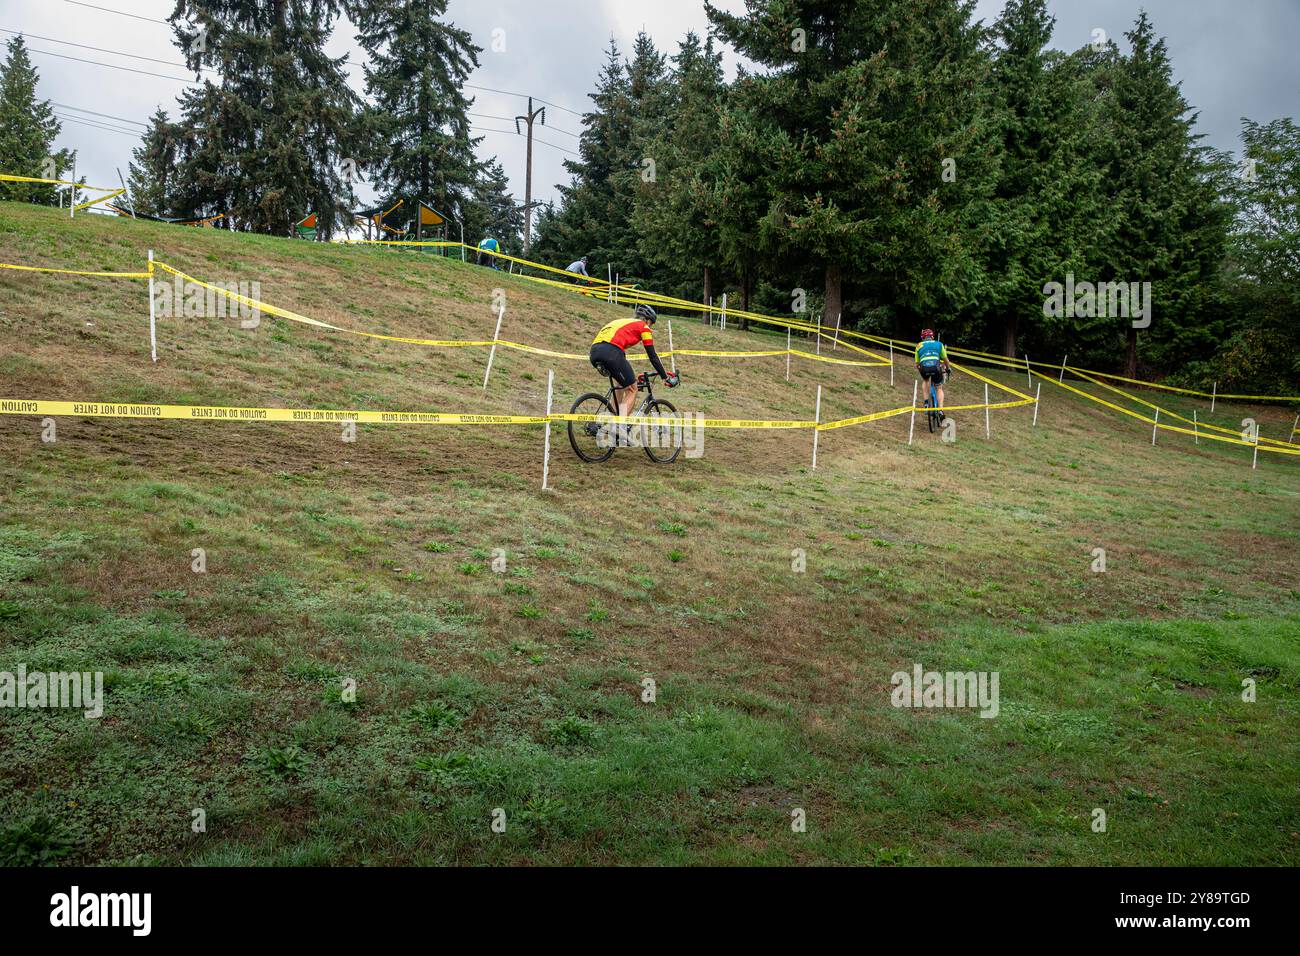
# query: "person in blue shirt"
[[488, 245], [932, 363]]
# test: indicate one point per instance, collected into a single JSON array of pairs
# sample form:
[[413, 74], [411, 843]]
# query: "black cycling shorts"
[[614, 359], [932, 373]]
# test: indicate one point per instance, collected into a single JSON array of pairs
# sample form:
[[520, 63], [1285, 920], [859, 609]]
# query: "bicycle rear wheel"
[[662, 442], [585, 437]]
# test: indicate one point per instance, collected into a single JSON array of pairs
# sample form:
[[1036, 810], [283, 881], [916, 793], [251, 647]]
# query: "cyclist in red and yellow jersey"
[[611, 345]]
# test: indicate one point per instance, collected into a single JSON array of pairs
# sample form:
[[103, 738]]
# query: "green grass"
[[355, 680]]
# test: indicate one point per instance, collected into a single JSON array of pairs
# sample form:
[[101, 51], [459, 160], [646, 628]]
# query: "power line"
[[470, 86], [101, 126], [121, 13], [510, 132], [114, 66], [100, 49], [78, 109]]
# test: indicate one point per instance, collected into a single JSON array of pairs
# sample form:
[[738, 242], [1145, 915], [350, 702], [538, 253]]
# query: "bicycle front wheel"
[[662, 441], [592, 441]]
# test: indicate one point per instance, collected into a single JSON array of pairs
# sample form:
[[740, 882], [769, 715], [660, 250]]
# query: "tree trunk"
[[708, 288], [1131, 354], [834, 296], [1009, 335], [746, 292]]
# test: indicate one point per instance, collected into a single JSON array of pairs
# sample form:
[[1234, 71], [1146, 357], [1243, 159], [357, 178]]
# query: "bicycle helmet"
[[927, 333], [646, 314]]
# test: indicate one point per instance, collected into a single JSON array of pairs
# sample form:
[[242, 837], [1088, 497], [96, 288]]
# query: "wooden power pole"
[[528, 178]]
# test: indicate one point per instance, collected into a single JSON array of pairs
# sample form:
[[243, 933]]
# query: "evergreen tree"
[[28, 130], [418, 67], [1262, 353], [153, 166], [632, 102], [1170, 228], [862, 103], [266, 142], [674, 217], [494, 211], [1047, 197]]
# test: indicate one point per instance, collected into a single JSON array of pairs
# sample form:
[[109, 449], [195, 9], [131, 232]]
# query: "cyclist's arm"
[[654, 359]]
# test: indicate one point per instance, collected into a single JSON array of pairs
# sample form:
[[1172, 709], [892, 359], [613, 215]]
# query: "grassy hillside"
[[372, 561]]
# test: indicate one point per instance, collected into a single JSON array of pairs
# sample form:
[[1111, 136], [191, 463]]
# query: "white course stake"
[[836, 344], [153, 328], [1063, 361], [1029, 374], [891, 365], [1037, 395], [1196, 427], [819, 334], [912, 427], [671, 353], [1214, 396], [1255, 461], [817, 417], [546, 454], [724, 312], [787, 353], [492, 354], [1294, 428], [72, 190], [987, 427], [1155, 427]]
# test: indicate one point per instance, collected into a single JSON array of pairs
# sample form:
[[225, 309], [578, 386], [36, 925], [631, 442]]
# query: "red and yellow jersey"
[[625, 333]]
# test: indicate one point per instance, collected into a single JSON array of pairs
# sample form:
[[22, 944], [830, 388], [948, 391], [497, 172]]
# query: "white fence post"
[[546, 454], [1215, 396], [987, 427], [724, 312], [891, 365], [1196, 427], [72, 190], [1029, 373], [1063, 361], [787, 353], [153, 327], [911, 429], [672, 353], [835, 346], [1155, 426], [1294, 429], [1037, 396], [817, 417], [492, 354]]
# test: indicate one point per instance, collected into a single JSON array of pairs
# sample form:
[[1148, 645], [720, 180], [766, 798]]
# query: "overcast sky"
[[1234, 58]]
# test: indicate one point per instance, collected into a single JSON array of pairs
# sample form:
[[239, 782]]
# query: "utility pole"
[[528, 179]]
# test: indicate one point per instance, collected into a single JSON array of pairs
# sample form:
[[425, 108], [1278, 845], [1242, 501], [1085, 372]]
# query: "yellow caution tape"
[[686, 421], [220, 413], [111, 193], [75, 272]]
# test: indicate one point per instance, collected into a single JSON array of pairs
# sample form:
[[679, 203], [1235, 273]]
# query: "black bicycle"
[[596, 441], [933, 416]]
